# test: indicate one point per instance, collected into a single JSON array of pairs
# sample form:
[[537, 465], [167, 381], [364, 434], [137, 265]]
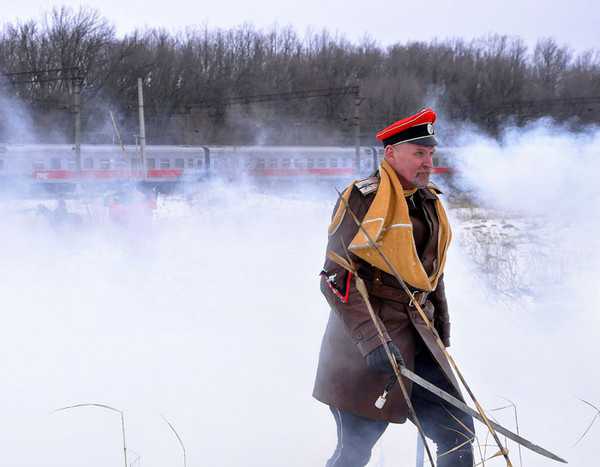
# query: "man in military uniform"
[[401, 210]]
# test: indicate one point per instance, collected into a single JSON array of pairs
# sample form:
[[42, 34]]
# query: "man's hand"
[[379, 362]]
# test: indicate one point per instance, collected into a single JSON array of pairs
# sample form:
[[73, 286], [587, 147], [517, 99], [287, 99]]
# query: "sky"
[[386, 21]]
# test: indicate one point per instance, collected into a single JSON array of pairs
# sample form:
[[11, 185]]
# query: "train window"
[[1, 164], [55, 163], [190, 163], [104, 164], [120, 164], [199, 163], [135, 163], [165, 164], [333, 163], [151, 164], [310, 163], [322, 163], [297, 163], [272, 163], [71, 164], [38, 165], [260, 163], [286, 163], [179, 164], [88, 163]]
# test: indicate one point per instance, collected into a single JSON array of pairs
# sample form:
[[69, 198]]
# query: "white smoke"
[[535, 342], [15, 121], [214, 324], [214, 320], [538, 169]]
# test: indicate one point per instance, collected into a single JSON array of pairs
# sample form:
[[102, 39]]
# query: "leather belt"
[[377, 289]]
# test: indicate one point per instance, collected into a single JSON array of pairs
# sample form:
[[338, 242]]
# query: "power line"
[[536, 103], [42, 76], [283, 96]]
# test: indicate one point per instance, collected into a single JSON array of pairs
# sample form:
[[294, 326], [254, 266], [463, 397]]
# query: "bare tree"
[[550, 62], [191, 78]]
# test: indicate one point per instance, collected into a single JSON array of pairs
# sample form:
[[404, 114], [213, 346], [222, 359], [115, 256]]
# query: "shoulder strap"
[[368, 185], [433, 187]]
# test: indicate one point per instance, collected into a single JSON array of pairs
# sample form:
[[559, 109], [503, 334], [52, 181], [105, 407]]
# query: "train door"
[[202, 164]]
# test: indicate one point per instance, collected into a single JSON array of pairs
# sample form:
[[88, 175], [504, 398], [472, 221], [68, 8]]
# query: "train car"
[[54, 165], [292, 163]]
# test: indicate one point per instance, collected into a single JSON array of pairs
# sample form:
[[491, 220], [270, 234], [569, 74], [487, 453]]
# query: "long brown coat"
[[343, 378]]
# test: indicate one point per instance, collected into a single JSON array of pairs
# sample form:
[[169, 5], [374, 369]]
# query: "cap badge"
[[430, 128]]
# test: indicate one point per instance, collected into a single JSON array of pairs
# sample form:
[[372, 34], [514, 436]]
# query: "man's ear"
[[389, 152]]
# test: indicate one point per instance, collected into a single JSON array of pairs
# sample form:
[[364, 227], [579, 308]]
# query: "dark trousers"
[[357, 435]]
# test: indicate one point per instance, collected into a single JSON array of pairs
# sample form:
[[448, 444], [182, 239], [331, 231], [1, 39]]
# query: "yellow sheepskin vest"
[[387, 221]]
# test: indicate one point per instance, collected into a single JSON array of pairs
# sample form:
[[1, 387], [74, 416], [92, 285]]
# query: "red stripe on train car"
[[105, 174], [299, 172], [53, 174], [319, 172], [164, 173]]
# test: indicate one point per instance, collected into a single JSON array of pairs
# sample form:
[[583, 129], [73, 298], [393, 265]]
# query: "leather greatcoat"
[[343, 378]]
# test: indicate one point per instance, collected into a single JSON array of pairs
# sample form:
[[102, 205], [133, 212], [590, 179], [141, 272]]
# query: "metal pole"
[[142, 126], [420, 452]]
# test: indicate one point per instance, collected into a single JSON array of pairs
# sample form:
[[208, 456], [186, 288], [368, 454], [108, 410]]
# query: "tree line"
[[249, 86]]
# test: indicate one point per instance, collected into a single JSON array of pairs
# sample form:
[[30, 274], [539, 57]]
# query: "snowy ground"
[[214, 322]]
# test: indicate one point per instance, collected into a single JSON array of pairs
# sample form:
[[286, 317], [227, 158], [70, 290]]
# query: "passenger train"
[[54, 165]]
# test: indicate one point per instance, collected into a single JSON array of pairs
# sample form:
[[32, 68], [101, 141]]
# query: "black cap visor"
[[418, 134]]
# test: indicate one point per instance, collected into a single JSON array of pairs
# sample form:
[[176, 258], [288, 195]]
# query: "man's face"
[[412, 163]]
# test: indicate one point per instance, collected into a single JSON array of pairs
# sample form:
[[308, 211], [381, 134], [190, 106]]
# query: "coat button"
[[358, 336]]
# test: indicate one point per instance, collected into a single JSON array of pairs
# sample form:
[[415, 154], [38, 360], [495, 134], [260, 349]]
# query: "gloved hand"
[[379, 362]]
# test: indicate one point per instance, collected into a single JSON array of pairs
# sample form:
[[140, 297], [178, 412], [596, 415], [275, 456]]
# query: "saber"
[[429, 325], [475, 414]]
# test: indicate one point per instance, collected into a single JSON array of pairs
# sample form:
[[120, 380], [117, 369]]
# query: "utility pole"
[[357, 101], [142, 126]]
